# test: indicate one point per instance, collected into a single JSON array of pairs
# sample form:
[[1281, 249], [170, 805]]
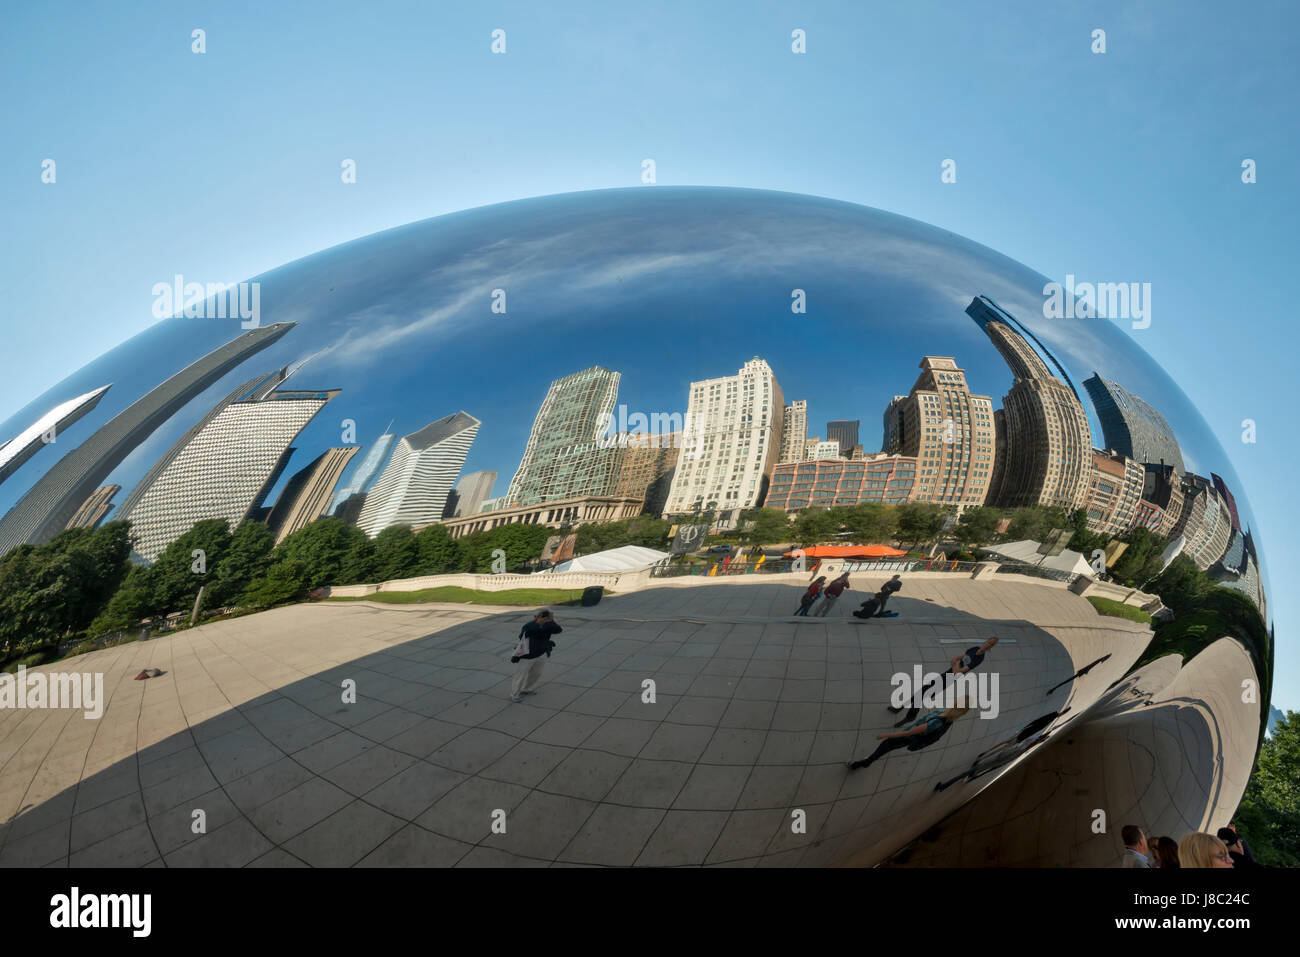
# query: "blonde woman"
[[1199, 849]]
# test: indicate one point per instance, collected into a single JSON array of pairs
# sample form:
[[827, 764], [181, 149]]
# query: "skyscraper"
[[564, 456], [49, 504], [845, 432], [1048, 442], [94, 508], [412, 490], [470, 493], [1114, 490], [948, 430], [366, 472], [794, 431], [225, 466], [1131, 426], [45, 431], [731, 441], [308, 494]]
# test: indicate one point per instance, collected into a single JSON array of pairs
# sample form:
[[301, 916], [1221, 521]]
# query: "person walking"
[[968, 660], [886, 590], [810, 597], [535, 643], [833, 592], [922, 733]]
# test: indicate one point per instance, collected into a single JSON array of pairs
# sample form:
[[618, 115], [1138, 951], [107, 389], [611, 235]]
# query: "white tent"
[[1027, 552], [624, 559]]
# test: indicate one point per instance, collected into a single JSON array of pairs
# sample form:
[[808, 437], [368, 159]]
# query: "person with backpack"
[[921, 733], [810, 597], [833, 592], [535, 647]]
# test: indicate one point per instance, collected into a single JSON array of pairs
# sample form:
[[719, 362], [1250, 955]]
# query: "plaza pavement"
[[755, 716]]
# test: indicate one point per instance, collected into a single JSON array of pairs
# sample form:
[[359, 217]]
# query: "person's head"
[[1229, 837], [1199, 849], [542, 615], [1166, 849], [1133, 837], [988, 646], [896, 578]]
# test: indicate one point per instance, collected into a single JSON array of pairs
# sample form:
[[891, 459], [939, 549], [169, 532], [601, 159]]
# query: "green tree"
[[521, 544], [919, 523], [1035, 522], [813, 525], [1181, 586], [1269, 815], [1082, 540], [179, 572], [131, 603], [440, 554], [245, 560], [977, 526], [1140, 561], [396, 554], [331, 551], [870, 523], [771, 526], [285, 580]]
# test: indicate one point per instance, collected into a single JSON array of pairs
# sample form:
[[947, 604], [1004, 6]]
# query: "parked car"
[[718, 549]]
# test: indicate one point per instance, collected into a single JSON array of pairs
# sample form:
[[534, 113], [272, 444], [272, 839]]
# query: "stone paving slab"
[[754, 715]]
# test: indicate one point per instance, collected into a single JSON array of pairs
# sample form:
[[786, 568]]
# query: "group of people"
[[820, 598], [1227, 848]]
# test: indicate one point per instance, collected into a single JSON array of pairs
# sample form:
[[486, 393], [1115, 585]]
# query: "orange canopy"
[[850, 551]]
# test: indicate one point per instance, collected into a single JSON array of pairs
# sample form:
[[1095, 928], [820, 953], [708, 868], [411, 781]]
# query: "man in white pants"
[[528, 667]]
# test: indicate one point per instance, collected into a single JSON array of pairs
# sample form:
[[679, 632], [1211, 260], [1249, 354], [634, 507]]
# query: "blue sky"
[[1124, 166]]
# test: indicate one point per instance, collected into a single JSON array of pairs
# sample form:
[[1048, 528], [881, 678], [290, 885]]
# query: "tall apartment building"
[[1048, 441], [565, 456], [1162, 490], [1205, 524], [223, 467], [412, 489], [469, 494], [794, 431], [308, 494], [46, 431], [1132, 427], [48, 505], [822, 450], [948, 430], [890, 479], [843, 431], [1114, 491], [731, 441]]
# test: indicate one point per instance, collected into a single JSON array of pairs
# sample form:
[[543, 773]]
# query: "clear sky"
[[1117, 167]]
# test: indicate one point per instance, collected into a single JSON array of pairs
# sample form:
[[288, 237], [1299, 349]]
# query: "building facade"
[[308, 494], [843, 431], [94, 508], [45, 431], [568, 513], [822, 450], [890, 479], [1131, 426], [469, 494], [371, 463], [794, 431], [731, 441], [948, 430], [1114, 491], [412, 489]]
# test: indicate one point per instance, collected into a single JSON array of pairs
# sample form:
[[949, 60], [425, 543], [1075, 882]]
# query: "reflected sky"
[[665, 285]]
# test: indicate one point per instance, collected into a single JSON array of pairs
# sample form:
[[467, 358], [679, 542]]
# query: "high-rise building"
[[984, 310], [794, 431], [469, 494], [731, 441], [565, 456], [843, 431], [647, 467], [307, 495], [412, 490], [45, 431], [94, 508], [1048, 441], [1228, 499], [822, 450], [1205, 523], [948, 430], [1132, 427], [1114, 491], [225, 466], [50, 503], [1162, 489], [365, 474]]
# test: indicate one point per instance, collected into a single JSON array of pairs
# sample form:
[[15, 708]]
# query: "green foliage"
[[814, 525], [132, 602], [286, 580], [1182, 586], [1269, 815], [869, 522], [1140, 562], [440, 554], [330, 551], [919, 523], [771, 525], [246, 559], [178, 573], [977, 526], [1035, 522], [521, 544], [396, 554], [1084, 541]]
